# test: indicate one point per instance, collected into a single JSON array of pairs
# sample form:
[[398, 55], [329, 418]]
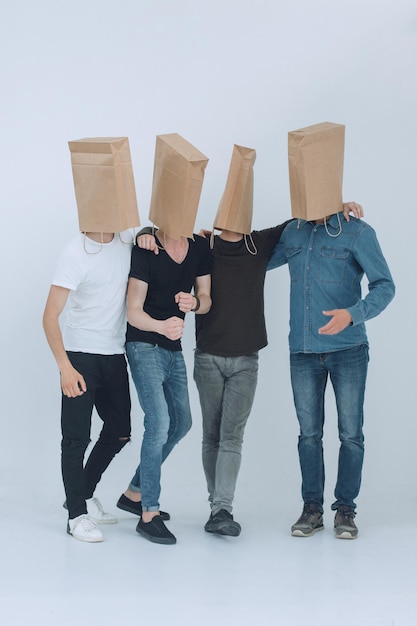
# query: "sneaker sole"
[[165, 517], [153, 539], [345, 534], [103, 521], [299, 533]]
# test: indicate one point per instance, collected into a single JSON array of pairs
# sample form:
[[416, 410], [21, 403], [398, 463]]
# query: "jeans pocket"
[[142, 346], [136, 351]]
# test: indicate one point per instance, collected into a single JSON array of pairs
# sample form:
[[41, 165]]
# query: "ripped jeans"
[[108, 391]]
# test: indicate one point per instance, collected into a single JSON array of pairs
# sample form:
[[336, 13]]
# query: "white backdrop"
[[218, 73]]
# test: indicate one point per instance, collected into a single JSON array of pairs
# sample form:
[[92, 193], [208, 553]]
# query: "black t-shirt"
[[235, 324], [165, 278]]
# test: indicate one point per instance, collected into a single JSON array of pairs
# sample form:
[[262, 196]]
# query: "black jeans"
[[108, 391]]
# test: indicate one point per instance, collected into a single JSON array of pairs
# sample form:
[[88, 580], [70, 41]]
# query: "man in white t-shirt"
[[90, 281]]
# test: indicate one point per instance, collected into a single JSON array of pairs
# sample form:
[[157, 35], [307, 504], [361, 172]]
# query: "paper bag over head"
[[177, 182], [236, 206], [104, 184], [315, 161]]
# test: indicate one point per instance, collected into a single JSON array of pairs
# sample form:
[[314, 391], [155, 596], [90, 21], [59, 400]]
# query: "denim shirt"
[[326, 273]]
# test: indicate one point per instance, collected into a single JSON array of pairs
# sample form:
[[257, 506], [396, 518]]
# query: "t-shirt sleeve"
[[140, 264], [69, 272]]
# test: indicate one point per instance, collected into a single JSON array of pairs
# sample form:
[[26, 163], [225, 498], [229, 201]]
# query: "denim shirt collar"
[[331, 222]]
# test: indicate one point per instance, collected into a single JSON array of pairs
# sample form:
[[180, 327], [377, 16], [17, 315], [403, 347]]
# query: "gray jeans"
[[226, 386]]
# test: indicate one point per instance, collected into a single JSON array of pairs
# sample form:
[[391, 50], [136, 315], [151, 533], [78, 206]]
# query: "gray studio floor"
[[263, 577]]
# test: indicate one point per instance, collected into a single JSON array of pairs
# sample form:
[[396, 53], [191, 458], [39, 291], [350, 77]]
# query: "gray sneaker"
[[309, 522], [344, 525]]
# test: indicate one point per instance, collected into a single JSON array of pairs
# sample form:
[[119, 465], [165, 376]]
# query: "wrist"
[[197, 304]]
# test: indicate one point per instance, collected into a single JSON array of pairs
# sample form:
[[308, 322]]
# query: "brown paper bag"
[[236, 206], [177, 182], [104, 184], [315, 161]]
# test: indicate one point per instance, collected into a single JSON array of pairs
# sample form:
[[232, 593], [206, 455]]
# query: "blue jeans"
[[160, 378], [226, 386], [309, 374]]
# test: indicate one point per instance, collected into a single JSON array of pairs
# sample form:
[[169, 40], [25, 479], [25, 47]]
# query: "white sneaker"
[[84, 529], [96, 512]]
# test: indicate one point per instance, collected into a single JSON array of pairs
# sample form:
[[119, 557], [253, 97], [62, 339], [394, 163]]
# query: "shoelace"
[[87, 524]]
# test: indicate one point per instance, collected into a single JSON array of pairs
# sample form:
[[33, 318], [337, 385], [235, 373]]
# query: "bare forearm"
[[172, 328], [202, 290], [72, 382], [141, 320], [54, 339], [205, 304]]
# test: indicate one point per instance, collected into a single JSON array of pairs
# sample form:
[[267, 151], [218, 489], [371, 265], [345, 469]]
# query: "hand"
[[340, 319], [147, 242], [173, 328], [185, 301], [204, 233], [72, 382], [354, 208]]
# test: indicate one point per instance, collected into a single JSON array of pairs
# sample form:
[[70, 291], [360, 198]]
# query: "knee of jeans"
[[350, 438], [114, 443], [155, 435], [211, 440], [74, 445], [233, 445], [122, 441], [310, 439], [180, 432], [186, 428]]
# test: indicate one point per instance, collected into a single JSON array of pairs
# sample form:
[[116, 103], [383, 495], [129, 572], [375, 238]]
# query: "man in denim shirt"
[[327, 259]]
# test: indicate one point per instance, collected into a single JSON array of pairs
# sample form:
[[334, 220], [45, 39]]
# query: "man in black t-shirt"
[[159, 296], [226, 362]]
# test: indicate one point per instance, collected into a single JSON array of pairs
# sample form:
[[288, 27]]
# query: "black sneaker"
[[222, 523], [309, 522], [344, 526], [155, 531], [126, 504]]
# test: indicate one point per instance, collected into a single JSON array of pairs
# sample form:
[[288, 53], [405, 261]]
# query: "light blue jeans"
[[226, 386], [160, 378], [309, 374]]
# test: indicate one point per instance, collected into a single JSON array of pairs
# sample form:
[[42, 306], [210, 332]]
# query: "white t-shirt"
[[97, 275]]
